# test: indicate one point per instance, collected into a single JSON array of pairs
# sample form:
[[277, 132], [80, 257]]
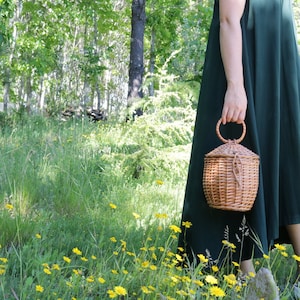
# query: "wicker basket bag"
[[230, 175]]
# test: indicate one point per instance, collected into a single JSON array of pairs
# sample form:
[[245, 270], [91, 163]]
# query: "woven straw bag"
[[230, 175]]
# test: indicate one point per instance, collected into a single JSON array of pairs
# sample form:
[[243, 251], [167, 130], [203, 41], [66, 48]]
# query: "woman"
[[251, 74]]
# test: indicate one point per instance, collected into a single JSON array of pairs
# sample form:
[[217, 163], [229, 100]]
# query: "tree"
[[136, 65]]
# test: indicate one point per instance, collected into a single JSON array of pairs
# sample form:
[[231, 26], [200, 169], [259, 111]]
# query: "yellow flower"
[[47, 271], [112, 294], [101, 280], [113, 239], [202, 258], [90, 279], [229, 245], [94, 257], [284, 253], [145, 290], [9, 206], [175, 228], [77, 251], [115, 272], [116, 253], [236, 264], [251, 274], [280, 247], [125, 272], [199, 283], [265, 256], [159, 182], [137, 216], [215, 269], [67, 259], [187, 224], [161, 216], [153, 267], [145, 264], [39, 288], [56, 267], [217, 292], [76, 272], [119, 290], [211, 279], [113, 206], [230, 279], [38, 236], [4, 260], [2, 271], [84, 259], [296, 257]]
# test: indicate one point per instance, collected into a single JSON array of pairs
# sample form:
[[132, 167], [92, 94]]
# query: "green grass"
[[91, 211]]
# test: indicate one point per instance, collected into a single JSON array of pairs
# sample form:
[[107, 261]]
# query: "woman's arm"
[[235, 101]]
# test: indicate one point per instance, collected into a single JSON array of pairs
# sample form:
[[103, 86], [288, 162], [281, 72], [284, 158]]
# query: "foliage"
[[79, 223]]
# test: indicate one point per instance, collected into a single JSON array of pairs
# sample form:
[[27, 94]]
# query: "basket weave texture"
[[231, 175]]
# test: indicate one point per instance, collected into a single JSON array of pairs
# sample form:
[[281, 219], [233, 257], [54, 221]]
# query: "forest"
[[76, 54], [97, 110]]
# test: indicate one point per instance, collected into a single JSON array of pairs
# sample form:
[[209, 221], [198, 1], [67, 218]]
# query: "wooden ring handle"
[[226, 141]]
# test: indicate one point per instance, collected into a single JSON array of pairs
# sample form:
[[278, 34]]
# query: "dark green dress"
[[272, 82]]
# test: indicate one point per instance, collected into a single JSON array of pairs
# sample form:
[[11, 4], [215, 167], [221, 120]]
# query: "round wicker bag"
[[230, 175]]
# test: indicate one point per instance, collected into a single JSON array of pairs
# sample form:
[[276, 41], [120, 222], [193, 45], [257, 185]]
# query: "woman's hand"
[[235, 104]]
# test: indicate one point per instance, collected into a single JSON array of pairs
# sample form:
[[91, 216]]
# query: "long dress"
[[272, 82]]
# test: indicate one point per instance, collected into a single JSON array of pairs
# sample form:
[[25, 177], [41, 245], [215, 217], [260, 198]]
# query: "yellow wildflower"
[[77, 251], [187, 224], [217, 292], [215, 269], [202, 258], [137, 216], [2, 271], [119, 290], [199, 283], [112, 294], [90, 279], [230, 279], [67, 259], [175, 228], [211, 279], [56, 267], [159, 182], [94, 257], [9, 206], [4, 260], [38, 236], [113, 206], [84, 259], [296, 257], [265, 256], [113, 239], [145, 290], [101, 280], [47, 271], [39, 288], [280, 247]]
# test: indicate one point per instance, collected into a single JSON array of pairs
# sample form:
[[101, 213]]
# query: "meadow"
[[92, 211]]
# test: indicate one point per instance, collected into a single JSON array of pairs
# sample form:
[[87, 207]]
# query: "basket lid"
[[231, 147]]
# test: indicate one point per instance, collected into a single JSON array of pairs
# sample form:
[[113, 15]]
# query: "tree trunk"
[[136, 66], [152, 63]]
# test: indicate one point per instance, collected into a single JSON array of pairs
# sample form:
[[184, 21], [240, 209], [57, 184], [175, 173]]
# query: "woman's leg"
[[247, 266], [294, 234]]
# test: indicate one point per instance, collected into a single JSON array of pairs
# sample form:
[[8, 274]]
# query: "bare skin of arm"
[[235, 101]]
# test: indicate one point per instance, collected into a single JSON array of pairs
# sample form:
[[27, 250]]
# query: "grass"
[[92, 211]]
